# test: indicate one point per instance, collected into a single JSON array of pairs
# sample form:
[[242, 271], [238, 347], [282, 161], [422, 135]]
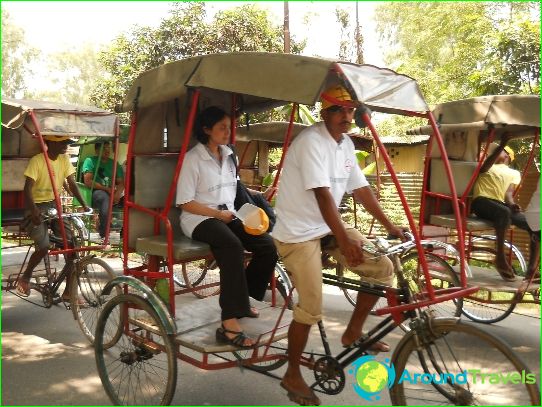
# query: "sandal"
[[375, 347], [21, 291], [238, 340], [506, 274]]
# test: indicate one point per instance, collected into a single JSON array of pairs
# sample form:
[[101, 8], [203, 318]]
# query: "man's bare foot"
[[349, 340], [298, 391], [23, 288]]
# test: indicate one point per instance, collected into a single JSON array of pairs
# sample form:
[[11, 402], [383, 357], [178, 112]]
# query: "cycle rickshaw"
[[142, 332], [24, 124], [469, 127]]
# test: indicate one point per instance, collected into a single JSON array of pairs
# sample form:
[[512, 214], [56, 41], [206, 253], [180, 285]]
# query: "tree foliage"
[[463, 49], [73, 73], [185, 33], [16, 58], [457, 50]]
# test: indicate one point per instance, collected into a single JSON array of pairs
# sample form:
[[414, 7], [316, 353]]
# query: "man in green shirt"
[[97, 175]]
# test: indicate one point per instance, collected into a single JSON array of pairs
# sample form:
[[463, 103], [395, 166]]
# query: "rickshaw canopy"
[[266, 80], [58, 118], [516, 114]]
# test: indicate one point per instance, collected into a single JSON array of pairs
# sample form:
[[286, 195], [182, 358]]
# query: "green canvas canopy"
[[517, 114], [58, 118], [265, 80]]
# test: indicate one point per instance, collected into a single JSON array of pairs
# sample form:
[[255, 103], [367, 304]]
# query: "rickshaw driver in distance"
[[493, 200], [39, 197], [319, 168], [102, 190]]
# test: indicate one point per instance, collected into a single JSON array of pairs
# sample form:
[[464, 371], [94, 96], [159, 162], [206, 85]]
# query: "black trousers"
[[500, 214], [228, 243]]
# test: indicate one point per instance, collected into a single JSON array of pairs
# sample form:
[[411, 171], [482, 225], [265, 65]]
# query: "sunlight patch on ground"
[[27, 348], [87, 385]]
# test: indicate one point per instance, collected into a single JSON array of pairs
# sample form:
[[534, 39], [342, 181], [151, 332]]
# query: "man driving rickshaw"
[[319, 168], [39, 197]]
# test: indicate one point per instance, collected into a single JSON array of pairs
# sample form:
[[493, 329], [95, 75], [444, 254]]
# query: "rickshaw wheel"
[[140, 368], [442, 276], [277, 348], [88, 280], [440, 354], [487, 313], [197, 274], [283, 286]]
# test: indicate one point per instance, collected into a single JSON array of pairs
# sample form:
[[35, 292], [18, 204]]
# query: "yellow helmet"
[[510, 153], [257, 224]]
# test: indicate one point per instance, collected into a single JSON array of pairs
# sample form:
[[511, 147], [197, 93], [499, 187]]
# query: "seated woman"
[[206, 192]]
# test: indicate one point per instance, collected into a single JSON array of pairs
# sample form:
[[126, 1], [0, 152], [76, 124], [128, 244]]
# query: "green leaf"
[[370, 169]]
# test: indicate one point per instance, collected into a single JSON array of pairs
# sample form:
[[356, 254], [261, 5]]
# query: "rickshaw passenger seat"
[[153, 178], [461, 172], [473, 223]]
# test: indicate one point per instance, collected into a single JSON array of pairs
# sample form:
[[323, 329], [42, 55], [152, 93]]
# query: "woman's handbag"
[[244, 196]]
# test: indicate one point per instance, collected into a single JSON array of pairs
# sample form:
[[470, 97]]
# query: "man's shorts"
[[39, 233], [303, 262]]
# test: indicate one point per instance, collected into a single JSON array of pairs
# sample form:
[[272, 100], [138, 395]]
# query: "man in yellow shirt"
[[494, 200], [39, 197]]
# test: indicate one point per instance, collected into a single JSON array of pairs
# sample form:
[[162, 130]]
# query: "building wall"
[[405, 158]]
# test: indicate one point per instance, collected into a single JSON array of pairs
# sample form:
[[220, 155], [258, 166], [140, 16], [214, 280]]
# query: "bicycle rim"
[[451, 348], [88, 281], [140, 368], [201, 276], [478, 306], [442, 277]]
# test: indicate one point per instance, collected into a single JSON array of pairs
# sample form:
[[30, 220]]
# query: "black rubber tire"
[[87, 283], [130, 353], [437, 267], [198, 273], [483, 312], [457, 340]]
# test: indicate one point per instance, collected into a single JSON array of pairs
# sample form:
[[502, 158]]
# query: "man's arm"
[[366, 197], [76, 192], [119, 189], [87, 178], [351, 249], [488, 163], [29, 199], [509, 199]]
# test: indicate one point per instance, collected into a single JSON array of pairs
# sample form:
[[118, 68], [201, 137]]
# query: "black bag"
[[244, 196]]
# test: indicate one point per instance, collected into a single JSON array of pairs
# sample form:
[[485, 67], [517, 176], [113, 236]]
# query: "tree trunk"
[[286, 28]]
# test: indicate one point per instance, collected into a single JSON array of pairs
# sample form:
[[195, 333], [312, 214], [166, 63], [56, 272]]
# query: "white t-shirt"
[[203, 180], [314, 160]]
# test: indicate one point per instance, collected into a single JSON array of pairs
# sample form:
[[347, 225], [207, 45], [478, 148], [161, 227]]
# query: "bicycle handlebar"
[[53, 213]]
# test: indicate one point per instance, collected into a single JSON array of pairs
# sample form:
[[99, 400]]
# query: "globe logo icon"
[[372, 377]]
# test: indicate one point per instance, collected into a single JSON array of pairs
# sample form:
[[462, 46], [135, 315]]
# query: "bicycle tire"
[[87, 283], [486, 313], [199, 273], [283, 286], [437, 267], [351, 295], [442, 277], [142, 356], [452, 341]]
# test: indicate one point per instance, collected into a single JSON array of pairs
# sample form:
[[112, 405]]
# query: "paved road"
[[46, 361]]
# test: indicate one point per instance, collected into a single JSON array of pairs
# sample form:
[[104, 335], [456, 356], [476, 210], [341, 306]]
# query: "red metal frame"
[[39, 136]]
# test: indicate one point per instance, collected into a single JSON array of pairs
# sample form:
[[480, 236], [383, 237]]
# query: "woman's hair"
[[207, 119]]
